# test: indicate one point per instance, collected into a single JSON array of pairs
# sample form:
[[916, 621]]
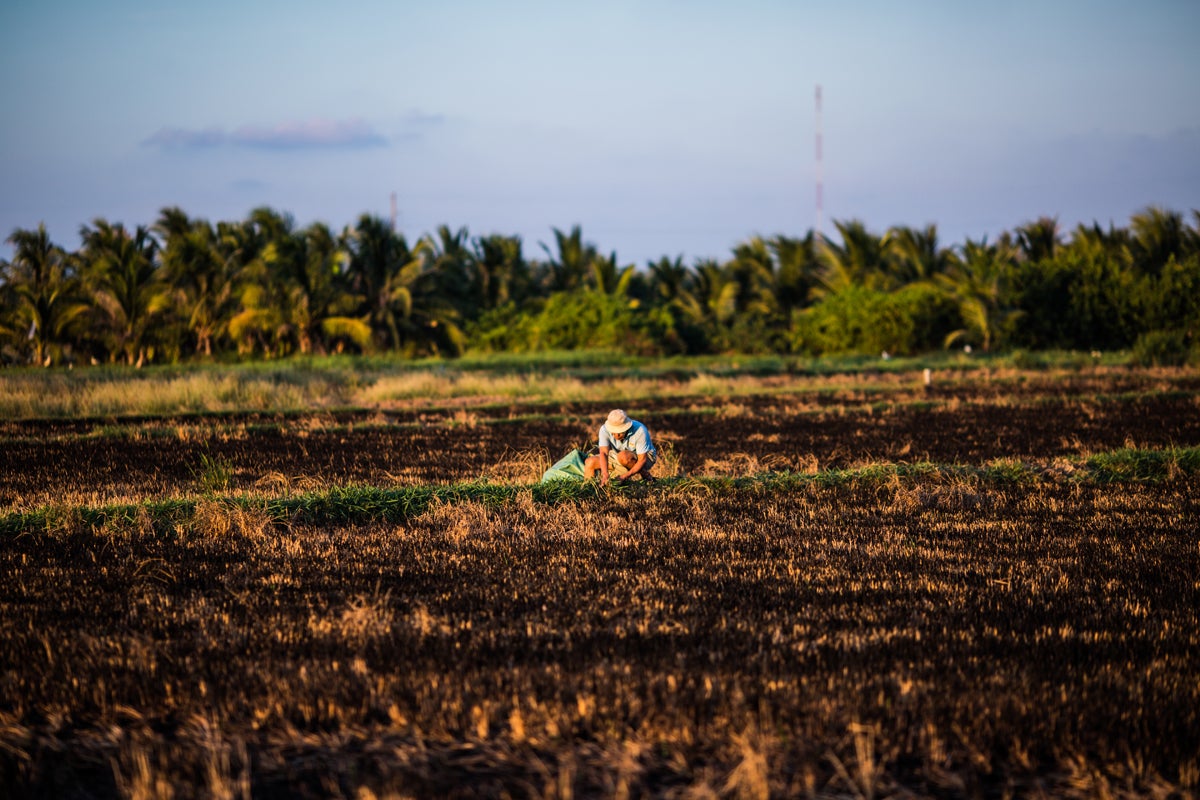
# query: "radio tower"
[[393, 219], [817, 230]]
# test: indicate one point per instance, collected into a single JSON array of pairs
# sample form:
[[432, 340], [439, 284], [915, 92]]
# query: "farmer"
[[625, 450]]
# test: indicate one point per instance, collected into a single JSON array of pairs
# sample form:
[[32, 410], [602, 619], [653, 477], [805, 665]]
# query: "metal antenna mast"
[[393, 212]]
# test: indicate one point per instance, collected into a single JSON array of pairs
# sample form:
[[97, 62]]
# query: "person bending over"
[[626, 450]]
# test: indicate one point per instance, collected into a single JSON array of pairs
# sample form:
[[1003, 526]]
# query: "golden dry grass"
[[36, 394], [891, 633], [863, 640]]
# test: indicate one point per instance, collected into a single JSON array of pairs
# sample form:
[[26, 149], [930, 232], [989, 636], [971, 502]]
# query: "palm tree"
[[44, 287], [568, 269], [452, 263], [1039, 240], [796, 270], [608, 278], [857, 261], [1157, 236], [270, 266], [1094, 242], [202, 266], [675, 286], [502, 274], [300, 298], [321, 307], [378, 256], [753, 271], [912, 255], [716, 294], [122, 271], [977, 282], [401, 290], [669, 278]]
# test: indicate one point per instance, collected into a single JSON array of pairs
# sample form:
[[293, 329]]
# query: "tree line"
[[184, 289]]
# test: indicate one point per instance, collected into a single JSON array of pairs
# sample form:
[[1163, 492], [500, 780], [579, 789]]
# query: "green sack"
[[569, 468]]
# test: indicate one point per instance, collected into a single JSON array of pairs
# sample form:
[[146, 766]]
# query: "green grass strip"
[[359, 504], [1128, 465]]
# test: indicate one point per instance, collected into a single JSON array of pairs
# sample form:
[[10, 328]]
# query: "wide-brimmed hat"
[[618, 421]]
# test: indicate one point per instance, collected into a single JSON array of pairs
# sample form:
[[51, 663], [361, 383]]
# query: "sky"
[[660, 127]]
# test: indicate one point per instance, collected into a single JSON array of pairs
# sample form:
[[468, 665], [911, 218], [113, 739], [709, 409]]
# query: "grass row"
[[358, 504]]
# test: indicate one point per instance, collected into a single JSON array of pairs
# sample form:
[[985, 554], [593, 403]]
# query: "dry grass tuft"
[[750, 779], [525, 466], [863, 775], [364, 618], [137, 778], [215, 520], [367, 617]]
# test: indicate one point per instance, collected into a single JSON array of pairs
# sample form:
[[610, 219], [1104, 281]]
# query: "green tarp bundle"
[[567, 468]]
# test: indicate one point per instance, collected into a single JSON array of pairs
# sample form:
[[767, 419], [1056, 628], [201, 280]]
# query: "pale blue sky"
[[662, 127]]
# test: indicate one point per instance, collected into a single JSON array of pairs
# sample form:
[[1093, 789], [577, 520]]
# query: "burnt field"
[[106, 460], [854, 592]]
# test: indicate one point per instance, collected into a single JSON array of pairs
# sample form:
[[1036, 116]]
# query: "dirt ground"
[[95, 461], [858, 639]]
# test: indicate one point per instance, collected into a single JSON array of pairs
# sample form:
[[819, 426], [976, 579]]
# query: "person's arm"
[[603, 465]]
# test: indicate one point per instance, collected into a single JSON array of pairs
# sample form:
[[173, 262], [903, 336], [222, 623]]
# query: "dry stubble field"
[[855, 589]]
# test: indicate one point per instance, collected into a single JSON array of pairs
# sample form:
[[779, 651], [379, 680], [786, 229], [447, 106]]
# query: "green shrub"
[[1169, 348], [579, 320], [913, 319]]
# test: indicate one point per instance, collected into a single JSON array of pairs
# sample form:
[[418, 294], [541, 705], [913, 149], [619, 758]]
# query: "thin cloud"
[[183, 139], [318, 133], [423, 119], [322, 134]]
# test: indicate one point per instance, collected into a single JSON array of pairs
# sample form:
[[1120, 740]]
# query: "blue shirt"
[[637, 440]]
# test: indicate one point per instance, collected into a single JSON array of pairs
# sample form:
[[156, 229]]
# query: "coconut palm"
[[1092, 241], [669, 278], [796, 269], [1193, 234], [1157, 236], [202, 266], [451, 262], [321, 307], [401, 290], [856, 261], [977, 282], [121, 270], [43, 295], [1039, 240], [674, 285], [502, 274], [301, 299], [568, 268], [716, 291], [912, 255], [378, 255], [608, 278], [270, 268], [752, 269], [429, 323]]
